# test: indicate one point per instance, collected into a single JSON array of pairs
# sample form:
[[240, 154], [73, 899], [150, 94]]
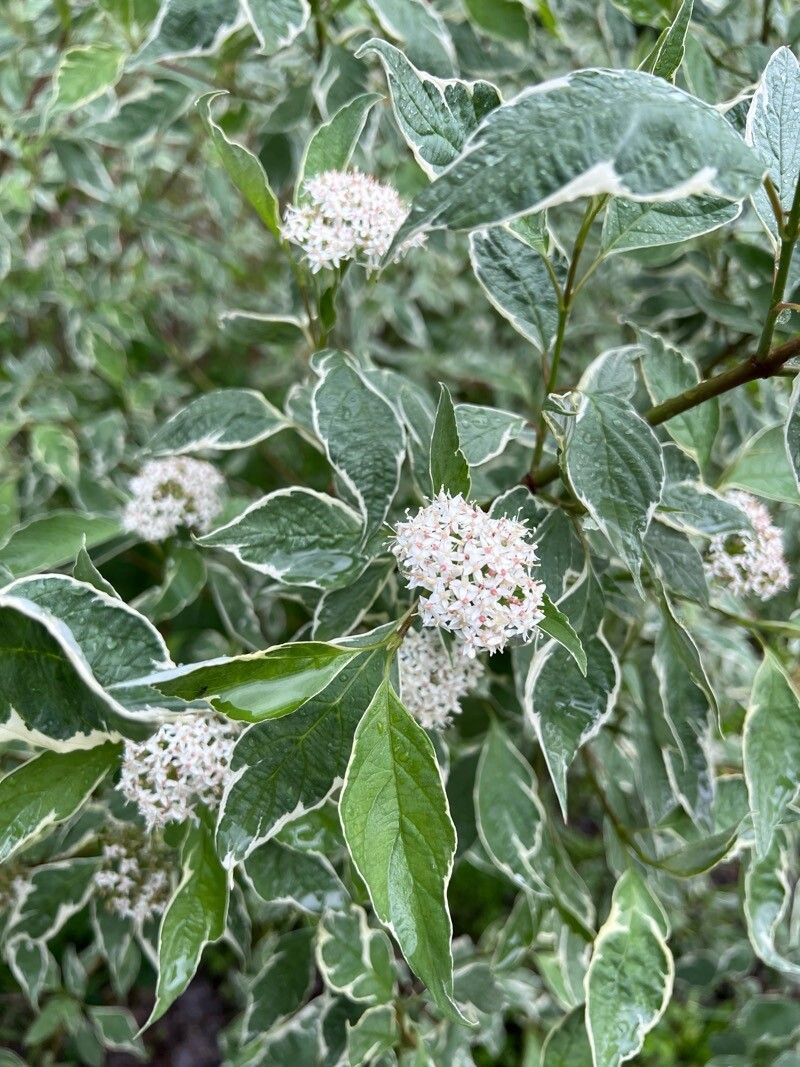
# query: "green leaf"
[[86, 72], [52, 894], [284, 875], [435, 116], [34, 968], [629, 981], [117, 1028], [282, 984], [696, 857], [259, 685], [773, 130], [54, 539], [449, 469], [567, 708], [567, 1044], [339, 611], [421, 31], [517, 282], [556, 625], [791, 433], [47, 790], [297, 536], [503, 19], [235, 606], [667, 54], [284, 767], [771, 749], [767, 901], [668, 372], [195, 916], [332, 145], [220, 421], [56, 451], [257, 328], [373, 1034], [363, 439], [629, 225], [48, 694], [184, 581], [598, 131], [688, 703], [676, 562], [397, 826], [243, 168], [353, 959], [614, 463], [484, 432], [693, 508], [117, 642], [276, 23], [509, 813], [761, 467], [85, 571], [184, 29]]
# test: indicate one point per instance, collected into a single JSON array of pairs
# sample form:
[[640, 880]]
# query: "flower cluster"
[[432, 680], [133, 877], [750, 563], [476, 569], [345, 215], [173, 492], [182, 764]]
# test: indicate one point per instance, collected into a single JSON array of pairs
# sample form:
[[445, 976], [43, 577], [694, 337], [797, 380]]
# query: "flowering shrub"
[[398, 544]]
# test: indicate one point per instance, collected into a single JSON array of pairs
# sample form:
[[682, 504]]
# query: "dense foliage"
[[398, 530]]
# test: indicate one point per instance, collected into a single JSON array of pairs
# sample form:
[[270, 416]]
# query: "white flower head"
[[477, 571], [134, 877], [346, 215], [433, 680], [170, 493], [750, 563], [183, 764]]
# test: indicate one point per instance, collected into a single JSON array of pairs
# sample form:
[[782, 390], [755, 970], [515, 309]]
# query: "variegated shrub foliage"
[[399, 531]]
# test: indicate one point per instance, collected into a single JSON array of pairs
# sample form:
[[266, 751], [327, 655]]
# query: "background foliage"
[[618, 827]]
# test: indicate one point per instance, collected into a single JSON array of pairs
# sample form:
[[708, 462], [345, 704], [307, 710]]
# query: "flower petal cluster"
[[133, 877], [752, 562], [433, 680], [477, 571], [345, 215], [182, 764], [170, 493]]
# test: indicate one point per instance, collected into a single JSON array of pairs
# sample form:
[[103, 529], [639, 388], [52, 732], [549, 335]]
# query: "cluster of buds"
[[170, 493], [477, 571], [433, 681], [183, 764], [345, 215], [750, 563], [133, 878]]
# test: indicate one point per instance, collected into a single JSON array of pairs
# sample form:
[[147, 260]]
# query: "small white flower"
[[752, 562], [477, 570], [433, 681], [134, 877], [346, 215], [173, 492], [183, 764]]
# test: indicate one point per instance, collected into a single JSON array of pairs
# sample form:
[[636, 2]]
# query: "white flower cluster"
[[182, 764], [173, 492], [477, 571], [432, 680], [750, 563], [133, 878], [346, 215]]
